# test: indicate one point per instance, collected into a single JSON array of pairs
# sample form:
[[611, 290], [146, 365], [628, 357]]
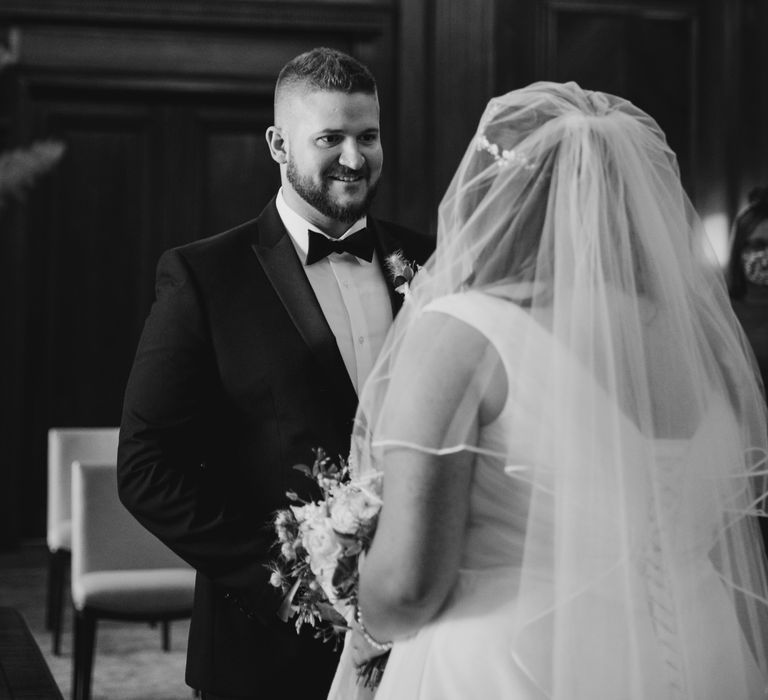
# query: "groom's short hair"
[[324, 69]]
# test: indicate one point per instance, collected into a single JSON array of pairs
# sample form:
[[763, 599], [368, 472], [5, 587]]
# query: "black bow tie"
[[359, 243]]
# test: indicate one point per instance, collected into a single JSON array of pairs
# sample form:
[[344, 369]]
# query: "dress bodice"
[[510, 450]]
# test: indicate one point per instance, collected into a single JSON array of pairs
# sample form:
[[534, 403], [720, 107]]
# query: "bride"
[[571, 433]]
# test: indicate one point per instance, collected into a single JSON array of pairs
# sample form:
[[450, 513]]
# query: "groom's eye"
[[329, 139]]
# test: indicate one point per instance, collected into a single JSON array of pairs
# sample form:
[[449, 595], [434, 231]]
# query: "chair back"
[[119, 570], [65, 445], [105, 536]]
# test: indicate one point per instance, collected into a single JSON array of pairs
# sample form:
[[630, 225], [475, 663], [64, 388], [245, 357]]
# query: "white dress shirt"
[[352, 294]]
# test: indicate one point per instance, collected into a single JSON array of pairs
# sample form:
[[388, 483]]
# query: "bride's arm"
[[413, 561]]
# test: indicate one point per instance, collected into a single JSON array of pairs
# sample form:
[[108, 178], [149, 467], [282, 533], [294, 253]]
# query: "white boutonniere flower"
[[402, 271]]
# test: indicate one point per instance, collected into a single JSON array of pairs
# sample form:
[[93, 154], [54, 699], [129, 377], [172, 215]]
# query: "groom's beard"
[[319, 195]]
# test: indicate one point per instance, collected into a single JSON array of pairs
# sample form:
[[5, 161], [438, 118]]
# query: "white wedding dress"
[[494, 637]]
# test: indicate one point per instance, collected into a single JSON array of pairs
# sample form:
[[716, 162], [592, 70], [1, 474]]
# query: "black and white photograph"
[[383, 350]]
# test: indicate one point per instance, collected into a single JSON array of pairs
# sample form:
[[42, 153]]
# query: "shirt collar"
[[298, 227]]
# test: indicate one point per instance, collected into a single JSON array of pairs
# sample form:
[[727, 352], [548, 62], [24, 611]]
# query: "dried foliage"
[[22, 167]]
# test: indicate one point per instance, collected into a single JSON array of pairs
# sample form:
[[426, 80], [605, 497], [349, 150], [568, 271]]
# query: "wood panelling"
[[236, 54], [415, 146], [462, 82], [237, 175], [647, 55], [345, 15], [86, 277], [96, 225], [751, 49]]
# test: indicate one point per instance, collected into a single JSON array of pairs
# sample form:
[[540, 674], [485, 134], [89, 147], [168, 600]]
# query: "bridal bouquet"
[[320, 546]]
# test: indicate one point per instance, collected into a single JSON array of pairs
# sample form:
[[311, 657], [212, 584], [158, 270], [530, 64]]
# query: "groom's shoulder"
[[211, 247], [214, 257], [233, 242], [207, 260]]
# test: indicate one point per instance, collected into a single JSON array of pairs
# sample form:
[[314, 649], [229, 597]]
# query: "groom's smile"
[[348, 180]]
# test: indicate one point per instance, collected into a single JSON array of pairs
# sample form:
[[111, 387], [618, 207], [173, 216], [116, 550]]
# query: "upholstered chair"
[[119, 570], [65, 445]]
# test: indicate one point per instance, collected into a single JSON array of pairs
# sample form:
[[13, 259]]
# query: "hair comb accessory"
[[503, 157], [599, 103]]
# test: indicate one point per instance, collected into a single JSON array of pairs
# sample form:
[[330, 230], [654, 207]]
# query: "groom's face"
[[333, 153]]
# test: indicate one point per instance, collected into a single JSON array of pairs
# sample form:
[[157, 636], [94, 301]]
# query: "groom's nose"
[[350, 155]]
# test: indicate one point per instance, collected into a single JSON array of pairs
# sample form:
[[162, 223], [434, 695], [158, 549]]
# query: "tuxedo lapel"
[[386, 244], [277, 255]]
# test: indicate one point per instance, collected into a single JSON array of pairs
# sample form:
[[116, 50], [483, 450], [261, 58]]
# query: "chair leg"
[[57, 573], [166, 635], [77, 655], [84, 646], [51, 588]]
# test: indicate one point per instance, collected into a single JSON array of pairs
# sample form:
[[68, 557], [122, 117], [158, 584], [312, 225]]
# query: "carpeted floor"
[[129, 663]]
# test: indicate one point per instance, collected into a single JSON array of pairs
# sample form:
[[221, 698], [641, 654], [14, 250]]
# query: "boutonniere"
[[402, 272]]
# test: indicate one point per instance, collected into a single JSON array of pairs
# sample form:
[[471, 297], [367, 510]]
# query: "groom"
[[254, 353]]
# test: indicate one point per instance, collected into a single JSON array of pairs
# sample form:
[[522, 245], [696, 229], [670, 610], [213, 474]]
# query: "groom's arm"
[[163, 478]]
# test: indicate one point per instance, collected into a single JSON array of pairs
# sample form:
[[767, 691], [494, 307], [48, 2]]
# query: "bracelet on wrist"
[[380, 646]]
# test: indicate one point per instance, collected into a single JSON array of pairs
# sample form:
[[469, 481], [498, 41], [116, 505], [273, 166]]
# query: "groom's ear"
[[277, 145]]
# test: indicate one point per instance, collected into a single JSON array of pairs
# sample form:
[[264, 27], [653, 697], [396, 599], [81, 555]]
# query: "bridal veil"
[[646, 419]]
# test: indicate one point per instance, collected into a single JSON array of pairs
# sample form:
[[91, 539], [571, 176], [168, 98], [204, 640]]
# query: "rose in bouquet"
[[320, 543]]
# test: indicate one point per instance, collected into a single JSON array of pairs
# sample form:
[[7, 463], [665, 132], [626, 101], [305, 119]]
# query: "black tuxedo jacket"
[[236, 378]]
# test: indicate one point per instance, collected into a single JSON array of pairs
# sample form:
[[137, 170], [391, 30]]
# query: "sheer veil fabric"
[[635, 422]]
